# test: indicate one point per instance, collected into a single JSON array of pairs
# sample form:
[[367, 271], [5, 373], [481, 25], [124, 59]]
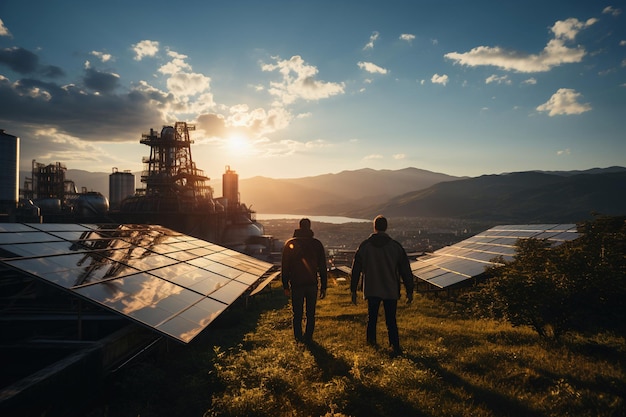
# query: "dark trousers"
[[300, 297], [390, 306]]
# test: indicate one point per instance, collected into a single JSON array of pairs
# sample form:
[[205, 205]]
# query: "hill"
[[532, 196], [515, 197], [326, 194], [249, 365], [331, 194]]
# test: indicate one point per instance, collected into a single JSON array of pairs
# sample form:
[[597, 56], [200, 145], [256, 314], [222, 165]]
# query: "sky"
[[291, 89]]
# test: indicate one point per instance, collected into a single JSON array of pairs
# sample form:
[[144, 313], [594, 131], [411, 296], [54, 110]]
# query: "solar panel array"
[[467, 259], [173, 283]]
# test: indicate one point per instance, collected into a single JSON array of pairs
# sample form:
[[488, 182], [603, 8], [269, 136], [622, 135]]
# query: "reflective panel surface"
[[469, 258], [173, 283]]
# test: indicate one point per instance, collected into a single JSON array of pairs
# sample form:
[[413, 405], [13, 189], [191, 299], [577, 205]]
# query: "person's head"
[[305, 224], [380, 223]]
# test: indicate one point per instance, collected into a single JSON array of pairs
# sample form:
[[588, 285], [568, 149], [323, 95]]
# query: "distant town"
[[417, 235]]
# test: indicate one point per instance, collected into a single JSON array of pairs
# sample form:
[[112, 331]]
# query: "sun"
[[239, 144]]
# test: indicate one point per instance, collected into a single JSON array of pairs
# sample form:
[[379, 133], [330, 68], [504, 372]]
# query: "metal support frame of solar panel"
[[469, 258], [173, 283]]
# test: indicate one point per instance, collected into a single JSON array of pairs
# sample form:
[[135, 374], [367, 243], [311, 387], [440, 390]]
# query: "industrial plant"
[[89, 282], [175, 194]]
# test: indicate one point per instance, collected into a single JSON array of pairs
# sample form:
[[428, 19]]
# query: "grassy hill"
[[247, 364]]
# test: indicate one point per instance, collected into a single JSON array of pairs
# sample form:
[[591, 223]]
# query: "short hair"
[[305, 223], [380, 223]]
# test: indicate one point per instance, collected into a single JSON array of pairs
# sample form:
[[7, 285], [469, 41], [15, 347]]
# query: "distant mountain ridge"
[[526, 197], [330, 194], [531, 196]]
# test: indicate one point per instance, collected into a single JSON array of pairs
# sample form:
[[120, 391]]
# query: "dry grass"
[[452, 366]]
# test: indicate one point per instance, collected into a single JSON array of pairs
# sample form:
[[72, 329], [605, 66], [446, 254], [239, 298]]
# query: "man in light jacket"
[[379, 264]]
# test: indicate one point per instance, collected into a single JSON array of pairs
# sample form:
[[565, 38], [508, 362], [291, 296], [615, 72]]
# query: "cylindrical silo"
[[230, 187], [9, 171], [121, 186]]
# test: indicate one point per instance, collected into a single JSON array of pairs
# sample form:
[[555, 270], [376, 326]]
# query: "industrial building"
[[121, 186], [9, 172], [86, 286]]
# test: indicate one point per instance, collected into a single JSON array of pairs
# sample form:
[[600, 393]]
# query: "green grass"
[[249, 365]]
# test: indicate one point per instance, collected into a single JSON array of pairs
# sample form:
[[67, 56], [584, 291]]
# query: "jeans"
[[299, 297], [390, 306]]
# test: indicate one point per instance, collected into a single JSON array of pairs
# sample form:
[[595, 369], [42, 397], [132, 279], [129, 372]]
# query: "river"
[[321, 219]]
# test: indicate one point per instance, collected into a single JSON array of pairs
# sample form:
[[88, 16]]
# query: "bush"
[[576, 286]]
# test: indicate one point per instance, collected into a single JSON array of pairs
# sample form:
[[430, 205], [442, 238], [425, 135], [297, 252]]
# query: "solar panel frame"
[[173, 283], [469, 258]]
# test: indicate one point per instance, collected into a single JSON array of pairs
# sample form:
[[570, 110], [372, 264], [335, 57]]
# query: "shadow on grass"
[[177, 379], [362, 400], [330, 365], [497, 403]]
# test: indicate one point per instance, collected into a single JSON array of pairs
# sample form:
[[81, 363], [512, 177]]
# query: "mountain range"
[[516, 197]]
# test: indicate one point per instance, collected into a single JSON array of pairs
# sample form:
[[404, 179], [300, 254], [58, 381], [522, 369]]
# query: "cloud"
[[51, 71], [189, 92], [439, 79], [176, 65], [372, 68], [372, 156], [102, 82], [531, 81], [498, 80], [563, 152], [612, 11], [102, 56], [564, 101], [3, 30], [145, 48], [76, 112], [555, 53], [622, 43], [298, 82], [407, 37], [214, 125], [240, 120], [399, 156], [373, 38], [23, 61], [19, 60]]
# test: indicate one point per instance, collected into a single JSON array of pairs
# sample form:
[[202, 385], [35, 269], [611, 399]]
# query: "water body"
[[321, 219]]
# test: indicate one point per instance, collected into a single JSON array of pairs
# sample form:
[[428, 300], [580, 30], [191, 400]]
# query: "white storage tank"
[[9, 171], [121, 186]]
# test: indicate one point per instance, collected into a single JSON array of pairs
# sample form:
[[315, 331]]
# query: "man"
[[381, 262], [304, 259]]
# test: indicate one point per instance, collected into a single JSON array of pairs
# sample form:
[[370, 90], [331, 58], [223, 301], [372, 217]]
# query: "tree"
[[576, 286]]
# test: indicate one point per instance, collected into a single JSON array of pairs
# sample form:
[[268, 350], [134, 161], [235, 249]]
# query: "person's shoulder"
[[398, 245], [364, 243]]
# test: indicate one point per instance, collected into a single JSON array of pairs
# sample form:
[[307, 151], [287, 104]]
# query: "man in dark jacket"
[[304, 258], [381, 262]]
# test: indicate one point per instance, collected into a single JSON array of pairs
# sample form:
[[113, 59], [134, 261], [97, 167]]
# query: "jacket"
[[381, 262], [304, 258]]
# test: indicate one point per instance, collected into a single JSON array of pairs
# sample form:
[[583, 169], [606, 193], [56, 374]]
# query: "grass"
[[249, 365]]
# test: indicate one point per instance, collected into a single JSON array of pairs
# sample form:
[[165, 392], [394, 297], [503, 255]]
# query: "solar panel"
[[467, 259], [162, 279]]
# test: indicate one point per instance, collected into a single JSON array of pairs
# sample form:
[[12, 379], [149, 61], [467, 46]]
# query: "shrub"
[[576, 286]]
